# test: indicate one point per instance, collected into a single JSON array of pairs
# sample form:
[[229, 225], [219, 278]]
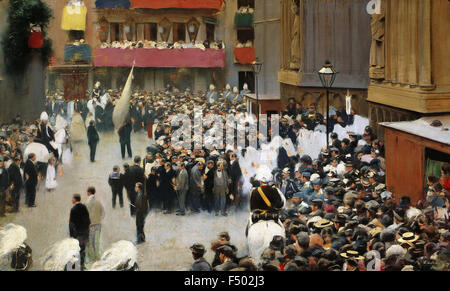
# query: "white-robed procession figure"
[[45, 134], [266, 204], [227, 93], [211, 97], [15, 254], [121, 256]]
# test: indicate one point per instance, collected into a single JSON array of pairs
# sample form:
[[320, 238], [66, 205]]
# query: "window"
[[245, 34], [147, 31], [115, 32], [245, 3], [249, 78], [210, 32], [75, 35], [179, 32]]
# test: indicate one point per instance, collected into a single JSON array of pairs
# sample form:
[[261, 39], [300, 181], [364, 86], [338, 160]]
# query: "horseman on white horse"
[[45, 135], [266, 204]]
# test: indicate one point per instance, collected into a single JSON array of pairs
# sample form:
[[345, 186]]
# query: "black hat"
[[340, 218], [277, 243], [226, 250], [224, 234], [198, 249], [334, 135]]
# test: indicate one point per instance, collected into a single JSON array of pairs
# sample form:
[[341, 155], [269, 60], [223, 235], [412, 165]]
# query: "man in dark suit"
[[93, 139], [208, 200], [136, 175], [16, 182], [79, 223], [141, 212], [31, 180], [4, 185], [125, 139], [235, 175]]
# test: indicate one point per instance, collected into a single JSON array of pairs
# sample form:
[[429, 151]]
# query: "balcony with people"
[[165, 44]]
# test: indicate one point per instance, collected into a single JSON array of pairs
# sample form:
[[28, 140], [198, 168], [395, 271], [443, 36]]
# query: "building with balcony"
[[177, 43]]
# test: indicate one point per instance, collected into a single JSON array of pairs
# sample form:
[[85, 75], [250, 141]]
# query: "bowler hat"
[[198, 249]]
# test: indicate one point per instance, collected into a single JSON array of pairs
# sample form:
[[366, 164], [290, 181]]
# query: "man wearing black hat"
[[79, 223], [136, 175], [31, 180], [200, 264], [16, 182], [125, 139], [141, 212], [93, 139], [226, 256]]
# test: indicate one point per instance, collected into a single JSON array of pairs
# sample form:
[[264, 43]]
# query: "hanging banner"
[[74, 16]]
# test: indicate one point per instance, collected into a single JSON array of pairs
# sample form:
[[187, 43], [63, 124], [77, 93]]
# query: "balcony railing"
[[160, 58], [180, 4]]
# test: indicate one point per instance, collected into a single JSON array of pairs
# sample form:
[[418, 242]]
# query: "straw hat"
[[408, 237], [323, 223], [352, 255]]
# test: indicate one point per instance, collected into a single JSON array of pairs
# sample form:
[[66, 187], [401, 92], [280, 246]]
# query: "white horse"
[[63, 255], [260, 235], [121, 256], [15, 254]]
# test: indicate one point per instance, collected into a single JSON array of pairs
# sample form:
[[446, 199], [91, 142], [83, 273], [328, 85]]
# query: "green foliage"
[[22, 13]]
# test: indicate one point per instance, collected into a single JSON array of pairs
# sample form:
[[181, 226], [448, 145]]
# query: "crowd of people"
[[337, 213], [338, 220]]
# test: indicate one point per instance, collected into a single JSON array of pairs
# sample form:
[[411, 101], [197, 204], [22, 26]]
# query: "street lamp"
[[327, 76], [256, 67]]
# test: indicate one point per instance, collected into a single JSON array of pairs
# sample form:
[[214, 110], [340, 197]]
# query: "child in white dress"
[[50, 182]]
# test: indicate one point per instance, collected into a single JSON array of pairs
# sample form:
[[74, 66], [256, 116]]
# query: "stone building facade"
[[314, 31], [409, 72]]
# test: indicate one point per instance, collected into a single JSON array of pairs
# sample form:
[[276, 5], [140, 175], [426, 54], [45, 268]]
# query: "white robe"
[[50, 182]]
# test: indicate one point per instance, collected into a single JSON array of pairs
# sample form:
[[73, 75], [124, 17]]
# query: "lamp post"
[[327, 76], [256, 67]]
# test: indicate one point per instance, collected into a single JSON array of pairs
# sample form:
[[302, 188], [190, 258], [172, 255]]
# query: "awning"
[[112, 4], [245, 55], [243, 19], [160, 58], [181, 4]]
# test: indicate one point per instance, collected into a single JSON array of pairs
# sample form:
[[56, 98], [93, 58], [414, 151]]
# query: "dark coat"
[[141, 204], [257, 202], [136, 175], [30, 170], [115, 180], [126, 181], [201, 265], [79, 221], [125, 133], [4, 179], [209, 182], [92, 135], [15, 176]]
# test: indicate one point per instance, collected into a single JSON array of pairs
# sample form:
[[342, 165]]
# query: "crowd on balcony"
[[149, 44]]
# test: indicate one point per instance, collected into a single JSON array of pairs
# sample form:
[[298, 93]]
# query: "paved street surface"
[[168, 236]]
